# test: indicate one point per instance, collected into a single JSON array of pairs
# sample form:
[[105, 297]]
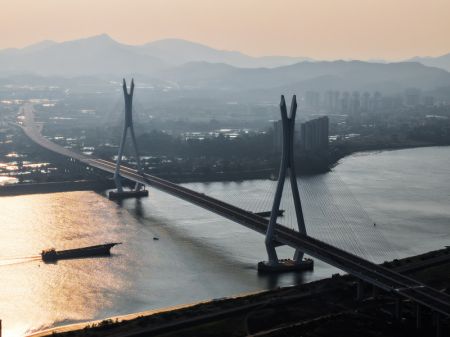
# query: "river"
[[380, 205]]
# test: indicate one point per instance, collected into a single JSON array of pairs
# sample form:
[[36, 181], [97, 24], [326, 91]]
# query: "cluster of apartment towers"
[[313, 135], [354, 102]]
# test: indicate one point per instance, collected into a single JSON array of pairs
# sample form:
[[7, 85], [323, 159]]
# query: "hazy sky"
[[325, 29]]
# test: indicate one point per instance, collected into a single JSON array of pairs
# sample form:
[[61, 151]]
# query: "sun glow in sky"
[[326, 29]]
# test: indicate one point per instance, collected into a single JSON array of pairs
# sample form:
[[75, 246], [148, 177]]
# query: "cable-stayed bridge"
[[276, 234]]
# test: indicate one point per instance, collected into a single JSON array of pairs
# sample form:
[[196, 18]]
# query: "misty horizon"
[[325, 30], [373, 58]]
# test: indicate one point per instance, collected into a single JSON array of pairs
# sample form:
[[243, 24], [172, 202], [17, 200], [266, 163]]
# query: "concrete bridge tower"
[[139, 189], [287, 167]]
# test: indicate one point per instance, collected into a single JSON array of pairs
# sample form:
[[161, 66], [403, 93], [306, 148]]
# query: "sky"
[[323, 29]]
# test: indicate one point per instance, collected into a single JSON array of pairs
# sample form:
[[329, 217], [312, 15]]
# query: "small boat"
[[273, 177], [53, 255]]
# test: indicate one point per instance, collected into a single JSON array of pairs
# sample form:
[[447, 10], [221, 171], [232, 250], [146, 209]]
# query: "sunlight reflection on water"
[[199, 255]]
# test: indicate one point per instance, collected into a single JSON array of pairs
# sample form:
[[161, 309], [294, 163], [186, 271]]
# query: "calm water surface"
[[199, 255]]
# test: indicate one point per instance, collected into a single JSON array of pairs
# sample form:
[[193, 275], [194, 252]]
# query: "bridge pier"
[[398, 309], [437, 324], [375, 291], [139, 189], [287, 167], [418, 316], [359, 290]]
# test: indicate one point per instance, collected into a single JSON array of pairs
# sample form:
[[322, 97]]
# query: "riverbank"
[[321, 308], [211, 169], [54, 187], [305, 164], [341, 150], [104, 184]]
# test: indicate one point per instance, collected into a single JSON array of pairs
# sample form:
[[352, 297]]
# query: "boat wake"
[[7, 261]]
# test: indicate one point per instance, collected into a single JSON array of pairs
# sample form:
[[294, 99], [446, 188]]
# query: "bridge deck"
[[379, 276]]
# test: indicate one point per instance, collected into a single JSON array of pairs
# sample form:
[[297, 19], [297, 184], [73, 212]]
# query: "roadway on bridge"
[[376, 275]]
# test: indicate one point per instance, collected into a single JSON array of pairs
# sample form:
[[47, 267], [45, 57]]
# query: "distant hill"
[[339, 75], [178, 52], [440, 61], [91, 56], [99, 55]]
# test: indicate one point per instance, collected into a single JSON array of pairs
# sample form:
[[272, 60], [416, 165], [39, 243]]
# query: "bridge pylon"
[[287, 167], [139, 189]]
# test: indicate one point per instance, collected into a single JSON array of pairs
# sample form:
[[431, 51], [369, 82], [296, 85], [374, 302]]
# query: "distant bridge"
[[379, 276]]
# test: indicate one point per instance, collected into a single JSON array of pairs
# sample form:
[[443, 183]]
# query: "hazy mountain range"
[[191, 65], [313, 75], [439, 62], [103, 55]]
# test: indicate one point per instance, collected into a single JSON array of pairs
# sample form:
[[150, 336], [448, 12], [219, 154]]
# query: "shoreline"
[[54, 187], [379, 149], [18, 189], [265, 174]]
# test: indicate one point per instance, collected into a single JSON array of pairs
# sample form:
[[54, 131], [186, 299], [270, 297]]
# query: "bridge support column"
[[398, 309], [418, 316], [139, 189], [287, 167], [359, 290], [437, 322], [375, 291]]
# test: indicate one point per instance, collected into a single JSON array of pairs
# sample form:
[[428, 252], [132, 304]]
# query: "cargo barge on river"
[[53, 255]]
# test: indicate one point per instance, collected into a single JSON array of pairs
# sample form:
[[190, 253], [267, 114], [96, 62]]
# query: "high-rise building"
[[277, 135], [336, 95], [377, 101], [412, 97], [314, 134], [328, 100], [345, 103], [312, 100], [428, 100], [365, 102], [355, 103]]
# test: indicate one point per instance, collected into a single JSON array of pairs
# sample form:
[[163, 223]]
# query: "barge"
[[286, 265], [53, 255]]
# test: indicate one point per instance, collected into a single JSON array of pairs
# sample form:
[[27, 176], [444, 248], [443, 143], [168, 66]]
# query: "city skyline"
[[322, 29]]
